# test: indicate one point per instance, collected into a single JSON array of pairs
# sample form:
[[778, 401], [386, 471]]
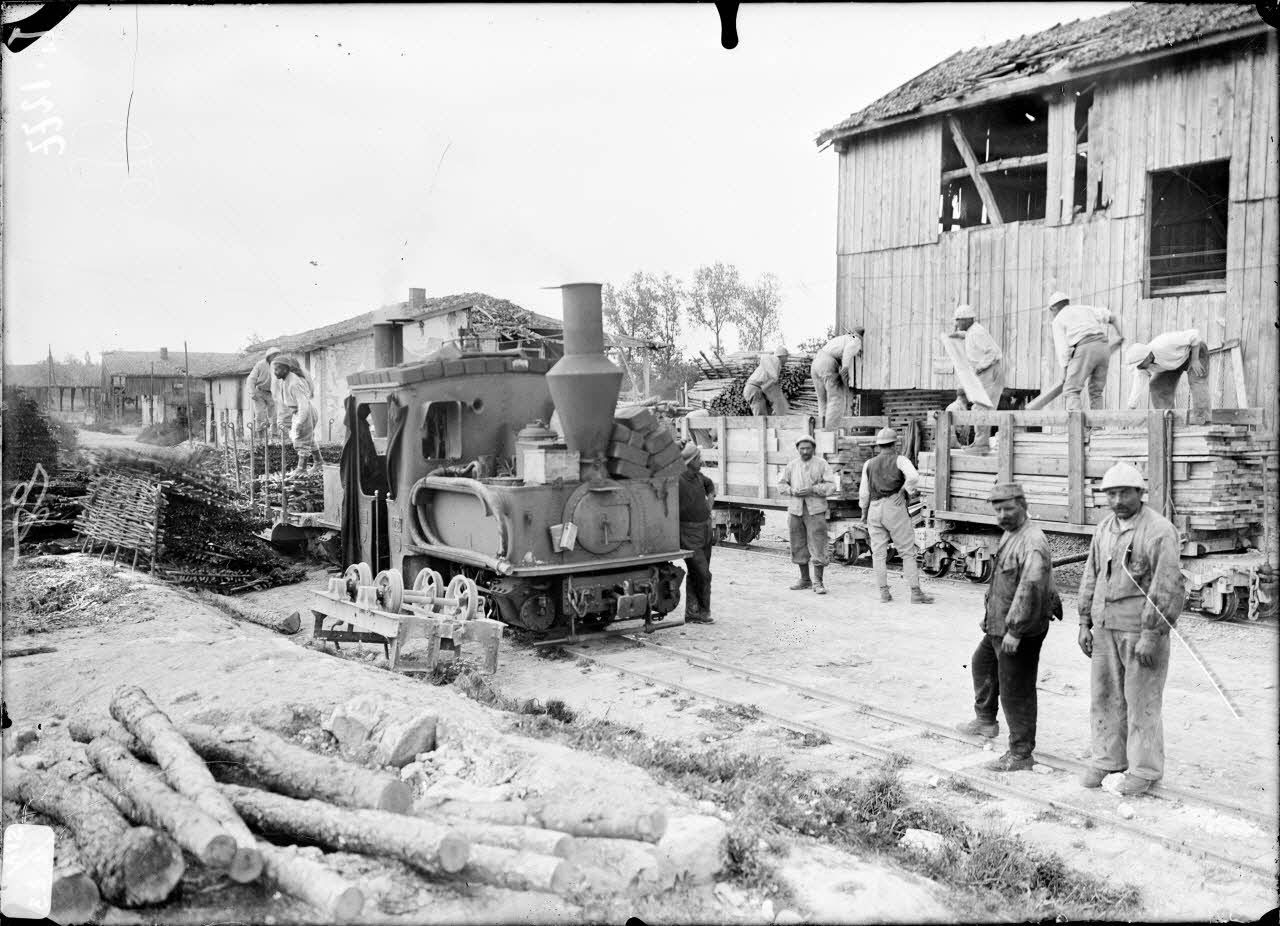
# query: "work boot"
[[804, 579], [1133, 785], [919, 597], [818, 587], [699, 617], [978, 727], [1011, 763], [885, 595], [1093, 777]]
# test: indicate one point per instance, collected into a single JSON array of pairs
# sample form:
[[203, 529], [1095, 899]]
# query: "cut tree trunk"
[[280, 621], [430, 847], [520, 871], [132, 866], [616, 823], [75, 898], [521, 838], [337, 900], [155, 804], [506, 813], [185, 772]]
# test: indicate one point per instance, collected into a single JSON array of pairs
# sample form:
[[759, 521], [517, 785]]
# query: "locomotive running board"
[[619, 628]]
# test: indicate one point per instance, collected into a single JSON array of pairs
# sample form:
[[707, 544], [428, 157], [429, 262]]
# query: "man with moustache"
[[697, 493], [807, 480], [1019, 604]]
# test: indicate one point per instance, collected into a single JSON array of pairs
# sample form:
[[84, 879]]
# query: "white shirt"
[[980, 348], [1073, 324], [767, 373], [1169, 351], [908, 471], [844, 348]]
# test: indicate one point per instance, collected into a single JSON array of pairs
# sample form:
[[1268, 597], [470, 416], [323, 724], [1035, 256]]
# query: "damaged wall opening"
[[1008, 143], [1187, 237]]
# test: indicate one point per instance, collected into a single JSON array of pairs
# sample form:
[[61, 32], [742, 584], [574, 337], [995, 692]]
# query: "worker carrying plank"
[[807, 479], [987, 361], [888, 479], [1164, 360], [1019, 605], [832, 373], [1080, 340], [1131, 593], [763, 390]]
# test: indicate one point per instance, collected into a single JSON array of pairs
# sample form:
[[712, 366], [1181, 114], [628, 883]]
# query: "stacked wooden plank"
[[641, 446], [851, 452], [720, 388], [903, 406]]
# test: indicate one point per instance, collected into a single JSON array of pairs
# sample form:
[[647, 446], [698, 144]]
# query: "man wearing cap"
[[987, 361], [807, 481], [696, 495], [832, 373], [298, 411], [1164, 360], [1080, 340], [1131, 594], [764, 386], [888, 479], [261, 390], [1020, 603]]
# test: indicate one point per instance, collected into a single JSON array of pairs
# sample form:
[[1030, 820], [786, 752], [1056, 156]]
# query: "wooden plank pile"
[[720, 388], [852, 451], [642, 446]]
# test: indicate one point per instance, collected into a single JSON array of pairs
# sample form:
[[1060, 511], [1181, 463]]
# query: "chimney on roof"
[[164, 353], [417, 297]]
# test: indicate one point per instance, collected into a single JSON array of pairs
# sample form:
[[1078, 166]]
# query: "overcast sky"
[[292, 165]]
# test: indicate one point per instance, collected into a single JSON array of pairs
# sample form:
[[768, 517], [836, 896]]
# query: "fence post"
[[1075, 467]]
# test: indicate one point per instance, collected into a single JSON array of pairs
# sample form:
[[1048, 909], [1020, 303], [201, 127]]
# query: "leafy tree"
[[715, 298], [757, 318], [814, 344]]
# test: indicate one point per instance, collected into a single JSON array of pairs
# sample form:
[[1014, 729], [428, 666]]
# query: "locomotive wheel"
[[356, 575], [465, 590], [937, 560], [429, 582], [390, 585]]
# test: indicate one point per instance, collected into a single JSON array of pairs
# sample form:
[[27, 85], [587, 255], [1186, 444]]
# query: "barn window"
[[1007, 143], [442, 431], [1187, 239]]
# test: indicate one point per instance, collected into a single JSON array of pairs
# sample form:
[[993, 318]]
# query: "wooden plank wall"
[[1220, 105], [889, 189]]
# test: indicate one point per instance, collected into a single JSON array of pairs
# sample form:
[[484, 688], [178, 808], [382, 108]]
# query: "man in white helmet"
[[987, 361], [1080, 340], [764, 387], [1164, 360], [807, 480], [832, 373], [261, 387], [1131, 594], [888, 479]]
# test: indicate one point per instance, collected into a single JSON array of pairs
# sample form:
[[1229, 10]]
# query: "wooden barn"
[[1129, 160]]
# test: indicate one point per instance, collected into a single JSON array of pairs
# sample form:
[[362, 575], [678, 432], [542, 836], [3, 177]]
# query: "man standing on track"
[[807, 480], [696, 495], [888, 479], [1019, 604]]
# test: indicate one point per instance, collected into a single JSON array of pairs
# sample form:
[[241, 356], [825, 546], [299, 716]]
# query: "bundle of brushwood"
[[720, 389], [306, 489], [642, 445], [268, 459]]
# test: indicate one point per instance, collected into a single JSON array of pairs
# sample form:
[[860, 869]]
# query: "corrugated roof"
[[139, 362], [64, 374], [1061, 49]]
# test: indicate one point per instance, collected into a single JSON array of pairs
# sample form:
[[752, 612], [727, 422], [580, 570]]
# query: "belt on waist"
[[703, 521], [1090, 337], [882, 498]]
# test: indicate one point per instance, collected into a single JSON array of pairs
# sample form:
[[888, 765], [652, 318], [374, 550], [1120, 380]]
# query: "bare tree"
[[715, 297], [757, 318]]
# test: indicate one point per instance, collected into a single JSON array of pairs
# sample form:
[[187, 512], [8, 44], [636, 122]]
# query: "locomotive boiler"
[[436, 489]]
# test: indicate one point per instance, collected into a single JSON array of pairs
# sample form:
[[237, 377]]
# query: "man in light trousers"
[[262, 390], [888, 479], [832, 374], [987, 360], [1131, 593], [1080, 341], [763, 390], [1164, 360], [807, 481]]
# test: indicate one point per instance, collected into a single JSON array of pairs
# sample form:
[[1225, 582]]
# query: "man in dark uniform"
[[696, 494]]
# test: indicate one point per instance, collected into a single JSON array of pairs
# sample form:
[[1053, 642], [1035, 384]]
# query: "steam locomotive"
[[431, 498]]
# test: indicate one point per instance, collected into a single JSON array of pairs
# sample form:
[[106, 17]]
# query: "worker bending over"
[[298, 412], [1080, 339], [832, 373], [764, 387], [807, 480], [262, 390], [987, 361], [888, 479], [1164, 360]]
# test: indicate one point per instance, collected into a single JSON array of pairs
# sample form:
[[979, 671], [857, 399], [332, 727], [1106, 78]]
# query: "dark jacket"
[[1139, 581], [1022, 598]]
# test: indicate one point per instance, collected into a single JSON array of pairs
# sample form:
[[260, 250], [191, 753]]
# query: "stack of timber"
[[642, 446], [1213, 481], [719, 390], [903, 407], [852, 451]]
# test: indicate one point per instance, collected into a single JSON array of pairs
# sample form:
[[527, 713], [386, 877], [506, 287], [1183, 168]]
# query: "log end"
[[566, 877], [396, 797], [219, 852], [564, 846], [454, 852], [150, 867], [347, 905], [290, 624], [652, 825], [246, 865], [75, 899]]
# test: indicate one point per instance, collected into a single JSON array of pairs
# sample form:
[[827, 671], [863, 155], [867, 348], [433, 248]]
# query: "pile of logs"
[[641, 445], [720, 388]]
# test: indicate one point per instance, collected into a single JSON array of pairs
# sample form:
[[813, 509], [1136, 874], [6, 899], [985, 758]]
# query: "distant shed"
[[1129, 160]]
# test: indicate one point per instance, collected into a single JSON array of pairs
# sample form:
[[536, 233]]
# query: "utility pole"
[[151, 395], [186, 374]]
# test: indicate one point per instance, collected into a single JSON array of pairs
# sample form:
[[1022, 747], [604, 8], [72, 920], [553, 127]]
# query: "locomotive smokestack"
[[584, 383]]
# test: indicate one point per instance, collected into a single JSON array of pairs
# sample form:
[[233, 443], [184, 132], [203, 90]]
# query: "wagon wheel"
[[429, 582], [984, 573], [356, 575], [1230, 605], [465, 591], [390, 585], [744, 534], [937, 560]]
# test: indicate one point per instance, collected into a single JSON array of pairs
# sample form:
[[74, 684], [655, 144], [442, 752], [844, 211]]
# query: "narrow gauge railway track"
[[877, 733], [1260, 626]]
